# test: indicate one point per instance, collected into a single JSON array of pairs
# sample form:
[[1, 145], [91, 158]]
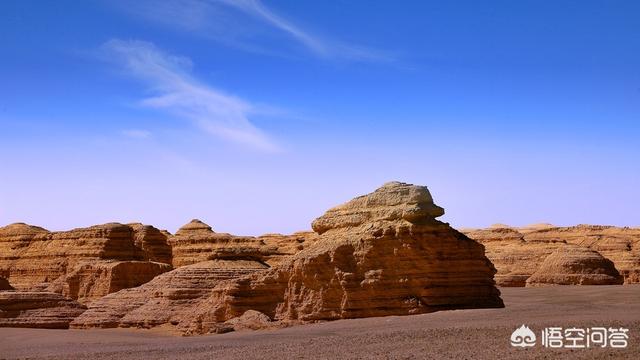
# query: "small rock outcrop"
[[575, 265], [379, 254], [35, 309]]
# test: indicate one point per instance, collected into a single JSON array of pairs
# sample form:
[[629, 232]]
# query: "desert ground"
[[459, 334]]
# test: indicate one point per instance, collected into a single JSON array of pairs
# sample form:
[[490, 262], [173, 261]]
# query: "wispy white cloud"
[[180, 94], [215, 19]]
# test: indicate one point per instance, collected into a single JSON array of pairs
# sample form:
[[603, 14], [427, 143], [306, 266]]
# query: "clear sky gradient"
[[257, 116]]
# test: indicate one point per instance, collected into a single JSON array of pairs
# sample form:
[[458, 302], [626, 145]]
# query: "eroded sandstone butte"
[[379, 254], [202, 259], [84, 263], [517, 253]]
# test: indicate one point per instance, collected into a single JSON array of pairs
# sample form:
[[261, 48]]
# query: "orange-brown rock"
[[283, 247], [196, 242], [575, 265], [153, 243], [514, 258], [166, 299], [37, 310], [379, 254], [91, 280], [518, 252], [32, 257]]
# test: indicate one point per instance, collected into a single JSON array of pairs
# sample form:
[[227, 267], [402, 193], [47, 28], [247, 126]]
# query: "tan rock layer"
[[196, 242], [517, 253], [575, 265], [30, 255], [165, 299], [91, 280], [381, 254], [37, 310]]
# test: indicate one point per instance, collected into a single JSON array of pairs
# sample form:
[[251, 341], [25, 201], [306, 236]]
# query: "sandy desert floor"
[[461, 334]]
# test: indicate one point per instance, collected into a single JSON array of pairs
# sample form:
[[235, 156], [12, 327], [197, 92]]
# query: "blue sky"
[[257, 116]]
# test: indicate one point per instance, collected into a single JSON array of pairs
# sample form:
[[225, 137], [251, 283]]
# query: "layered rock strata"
[[91, 280], [196, 242], [36, 309], [32, 257], [517, 253], [167, 299], [575, 265], [379, 254]]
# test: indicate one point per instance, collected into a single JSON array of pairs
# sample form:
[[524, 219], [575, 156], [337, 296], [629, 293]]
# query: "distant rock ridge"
[[518, 253]]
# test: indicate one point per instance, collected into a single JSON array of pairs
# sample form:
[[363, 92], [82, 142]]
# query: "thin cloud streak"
[[180, 94], [217, 20]]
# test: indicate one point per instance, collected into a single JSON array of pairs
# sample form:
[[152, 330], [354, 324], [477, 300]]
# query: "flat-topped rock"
[[392, 202]]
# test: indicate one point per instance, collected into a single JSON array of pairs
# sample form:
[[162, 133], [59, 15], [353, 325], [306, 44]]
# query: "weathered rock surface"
[[37, 310], [518, 252], [91, 280], [165, 299], [514, 258], [379, 254], [575, 265], [153, 243], [196, 242], [32, 257]]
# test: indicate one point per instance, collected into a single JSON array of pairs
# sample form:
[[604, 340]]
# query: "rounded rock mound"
[[574, 265]]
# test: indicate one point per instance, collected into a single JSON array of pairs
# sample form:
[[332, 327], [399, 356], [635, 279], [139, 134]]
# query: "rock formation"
[[35, 309], [514, 258], [32, 257], [196, 242], [379, 254], [91, 280], [517, 253], [166, 299], [575, 265]]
